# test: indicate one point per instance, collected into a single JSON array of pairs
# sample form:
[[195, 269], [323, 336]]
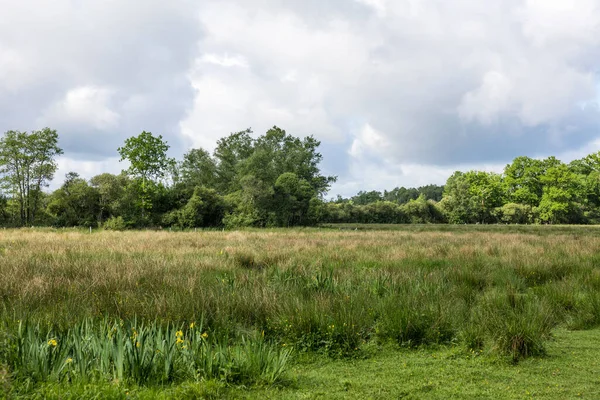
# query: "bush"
[[115, 224], [513, 213]]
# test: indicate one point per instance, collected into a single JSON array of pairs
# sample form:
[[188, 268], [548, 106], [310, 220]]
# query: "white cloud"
[[225, 60], [80, 66], [489, 101], [85, 105], [400, 92], [380, 6]]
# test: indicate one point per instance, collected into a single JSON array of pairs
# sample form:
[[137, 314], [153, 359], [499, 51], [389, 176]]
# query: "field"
[[338, 312]]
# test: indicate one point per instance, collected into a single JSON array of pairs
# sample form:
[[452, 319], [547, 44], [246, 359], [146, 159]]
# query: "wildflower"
[[179, 334], [179, 340], [52, 342], [205, 335], [69, 360], [137, 344], [192, 325]]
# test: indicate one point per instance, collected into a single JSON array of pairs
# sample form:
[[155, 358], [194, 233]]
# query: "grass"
[[282, 310], [568, 372]]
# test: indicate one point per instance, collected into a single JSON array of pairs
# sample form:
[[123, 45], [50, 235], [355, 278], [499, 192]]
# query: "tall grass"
[[261, 293], [141, 353]]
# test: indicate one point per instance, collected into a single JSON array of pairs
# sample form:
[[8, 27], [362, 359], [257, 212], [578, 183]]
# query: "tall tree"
[[28, 164], [230, 152], [198, 168], [111, 189], [148, 162]]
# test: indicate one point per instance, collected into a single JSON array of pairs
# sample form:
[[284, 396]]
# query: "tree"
[[205, 208], [28, 164], [487, 192], [422, 211], [147, 156], [276, 153], [363, 197], [198, 168], [111, 190], [248, 171], [76, 203], [561, 188], [292, 199], [513, 213], [229, 153]]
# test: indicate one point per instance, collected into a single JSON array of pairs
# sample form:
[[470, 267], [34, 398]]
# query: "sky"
[[399, 92]]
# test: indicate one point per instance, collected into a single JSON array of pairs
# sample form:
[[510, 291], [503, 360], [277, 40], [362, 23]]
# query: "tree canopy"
[[274, 179]]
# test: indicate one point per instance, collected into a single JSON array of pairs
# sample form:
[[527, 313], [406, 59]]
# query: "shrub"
[[115, 224]]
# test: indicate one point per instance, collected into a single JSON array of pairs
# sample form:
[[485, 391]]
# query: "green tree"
[[76, 203], [561, 188], [363, 197], [471, 197], [111, 190], [276, 153], [292, 199], [27, 165], [198, 168], [229, 153], [523, 179], [204, 209], [248, 171], [148, 162], [422, 211], [486, 190], [513, 213]]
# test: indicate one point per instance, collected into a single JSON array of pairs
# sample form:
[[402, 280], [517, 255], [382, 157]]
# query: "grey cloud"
[[442, 82], [383, 83], [138, 52]]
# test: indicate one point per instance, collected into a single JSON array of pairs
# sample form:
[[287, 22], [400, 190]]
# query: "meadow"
[[301, 313]]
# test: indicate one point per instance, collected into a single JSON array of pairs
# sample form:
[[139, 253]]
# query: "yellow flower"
[[192, 325], [52, 342], [179, 334], [69, 360], [179, 340], [205, 335], [137, 344]]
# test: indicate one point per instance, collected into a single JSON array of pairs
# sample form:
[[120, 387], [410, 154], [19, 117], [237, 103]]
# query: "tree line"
[[273, 180], [528, 191]]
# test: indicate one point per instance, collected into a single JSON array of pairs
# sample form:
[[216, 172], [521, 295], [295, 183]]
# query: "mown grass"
[[258, 294]]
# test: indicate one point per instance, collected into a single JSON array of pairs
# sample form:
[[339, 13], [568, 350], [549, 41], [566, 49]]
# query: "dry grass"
[[295, 284]]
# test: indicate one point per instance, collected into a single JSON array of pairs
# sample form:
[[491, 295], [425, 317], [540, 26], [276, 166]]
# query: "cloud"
[[399, 92], [85, 105], [394, 84], [97, 71]]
